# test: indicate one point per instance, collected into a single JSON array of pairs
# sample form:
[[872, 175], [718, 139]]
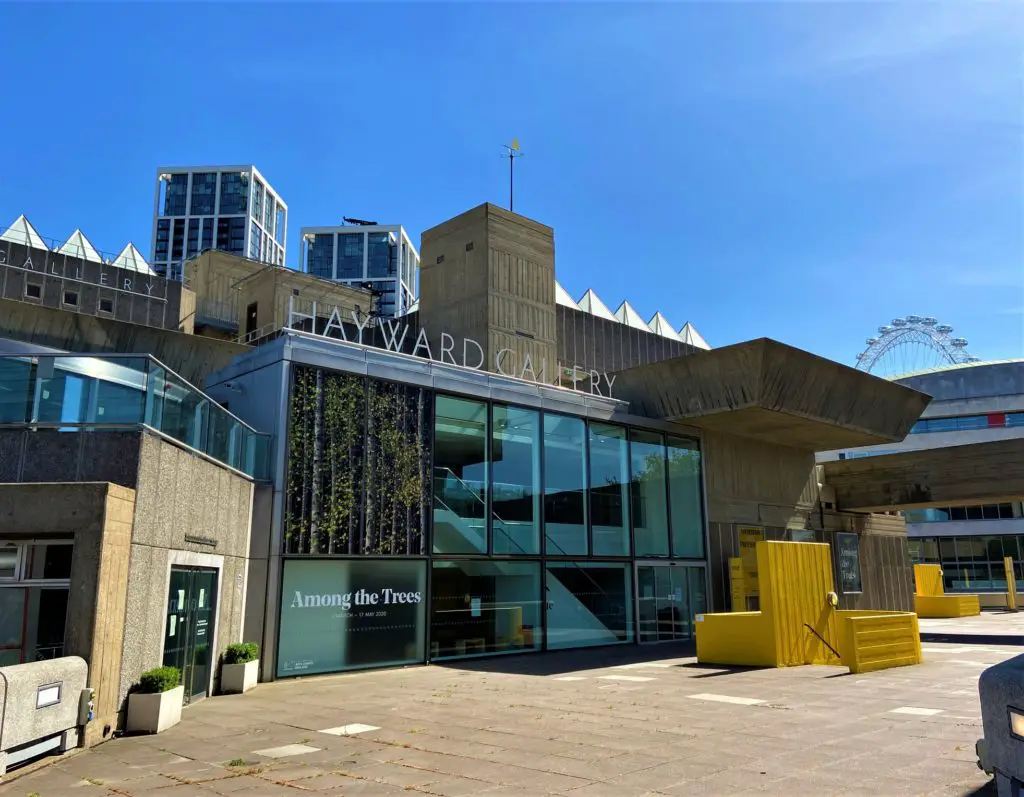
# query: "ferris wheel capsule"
[[899, 322], [928, 321], [944, 329], [871, 341], [914, 319], [885, 330], [960, 343]]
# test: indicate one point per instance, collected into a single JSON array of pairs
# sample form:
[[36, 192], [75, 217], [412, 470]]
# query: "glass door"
[[668, 596], [189, 628]]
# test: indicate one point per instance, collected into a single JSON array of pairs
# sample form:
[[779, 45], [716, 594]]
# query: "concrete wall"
[[98, 516], [191, 356], [495, 284], [179, 493], [134, 298]]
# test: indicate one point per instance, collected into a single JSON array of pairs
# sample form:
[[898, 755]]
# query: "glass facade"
[[350, 256], [176, 195], [204, 194], [524, 524], [320, 256], [380, 255], [234, 194], [974, 512], [971, 564]]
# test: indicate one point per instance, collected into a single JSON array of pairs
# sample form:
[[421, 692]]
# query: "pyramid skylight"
[[589, 303], [630, 317], [563, 298], [22, 232], [660, 326], [77, 245], [132, 260], [693, 337]]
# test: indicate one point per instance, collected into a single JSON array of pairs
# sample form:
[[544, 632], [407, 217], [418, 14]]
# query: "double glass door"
[[189, 628], [668, 597]]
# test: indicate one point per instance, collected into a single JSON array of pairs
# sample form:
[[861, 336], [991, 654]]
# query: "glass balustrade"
[[95, 392]]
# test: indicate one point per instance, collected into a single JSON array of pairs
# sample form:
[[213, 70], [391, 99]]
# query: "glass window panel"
[[204, 193], [930, 549], [970, 549], [345, 614], [46, 619], [176, 195], [460, 476], [1010, 547], [320, 256], [684, 489], [52, 561], [515, 485], [565, 486], [350, 255], [649, 507], [588, 603], [609, 485], [993, 548], [975, 513], [1005, 511], [990, 512], [958, 513], [16, 390], [914, 548], [380, 255], [234, 194], [481, 607], [12, 623], [8, 562]]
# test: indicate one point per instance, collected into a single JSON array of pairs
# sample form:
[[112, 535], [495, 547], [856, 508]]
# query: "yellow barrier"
[[928, 580], [878, 640], [798, 624], [936, 606]]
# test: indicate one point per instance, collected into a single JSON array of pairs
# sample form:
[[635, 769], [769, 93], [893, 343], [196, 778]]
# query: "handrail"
[[823, 640]]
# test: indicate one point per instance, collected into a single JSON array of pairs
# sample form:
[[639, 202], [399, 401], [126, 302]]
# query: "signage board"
[[750, 536], [848, 561], [1011, 584], [739, 594], [347, 614]]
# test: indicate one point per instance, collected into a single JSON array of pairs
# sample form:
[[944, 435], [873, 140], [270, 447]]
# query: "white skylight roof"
[[630, 317], [660, 326], [132, 259], [563, 298], [589, 303], [21, 232], [693, 337], [77, 245]]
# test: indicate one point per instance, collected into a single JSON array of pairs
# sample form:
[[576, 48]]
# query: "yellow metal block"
[[878, 640], [928, 580], [738, 638], [941, 606]]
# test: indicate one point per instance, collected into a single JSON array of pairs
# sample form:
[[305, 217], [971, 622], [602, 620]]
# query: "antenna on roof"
[[513, 152], [358, 222]]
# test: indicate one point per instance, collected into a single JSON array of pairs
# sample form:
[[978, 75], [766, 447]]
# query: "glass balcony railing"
[[76, 393]]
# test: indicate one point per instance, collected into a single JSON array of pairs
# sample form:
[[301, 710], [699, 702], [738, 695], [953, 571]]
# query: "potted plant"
[[241, 668], [155, 703]]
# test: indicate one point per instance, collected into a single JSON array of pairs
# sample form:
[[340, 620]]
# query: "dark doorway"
[[250, 319], [189, 629]]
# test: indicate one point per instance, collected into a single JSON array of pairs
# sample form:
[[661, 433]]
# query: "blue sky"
[[799, 171]]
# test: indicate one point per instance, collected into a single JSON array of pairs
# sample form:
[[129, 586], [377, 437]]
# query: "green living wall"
[[358, 465]]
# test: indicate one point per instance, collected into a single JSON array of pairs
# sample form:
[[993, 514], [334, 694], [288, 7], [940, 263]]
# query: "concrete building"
[[127, 501], [506, 470], [378, 257], [230, 208], [973, 404]]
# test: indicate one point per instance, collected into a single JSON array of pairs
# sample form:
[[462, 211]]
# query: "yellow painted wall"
[[796, 578], [928, 580]]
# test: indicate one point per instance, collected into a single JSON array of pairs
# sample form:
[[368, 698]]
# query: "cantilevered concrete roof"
[[769, 391], [978, 473]]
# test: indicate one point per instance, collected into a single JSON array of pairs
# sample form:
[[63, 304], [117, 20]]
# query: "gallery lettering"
[[386, 597], [469, 354], [106, 279]]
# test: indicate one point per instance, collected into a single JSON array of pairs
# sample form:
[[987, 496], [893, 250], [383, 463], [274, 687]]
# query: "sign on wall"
[[848, 559], [348, 614], [750, 536]]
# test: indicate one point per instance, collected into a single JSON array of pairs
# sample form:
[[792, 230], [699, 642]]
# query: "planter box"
[[154, 713], [236, 679]]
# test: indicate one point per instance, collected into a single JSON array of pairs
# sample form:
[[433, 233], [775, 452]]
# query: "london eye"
[[914, 343]]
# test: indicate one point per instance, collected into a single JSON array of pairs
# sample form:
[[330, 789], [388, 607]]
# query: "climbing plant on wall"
[[358, 465]]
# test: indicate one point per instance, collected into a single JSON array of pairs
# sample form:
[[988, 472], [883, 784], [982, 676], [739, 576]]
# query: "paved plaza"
[[628, 721]]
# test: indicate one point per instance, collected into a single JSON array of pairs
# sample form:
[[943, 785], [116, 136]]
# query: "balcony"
[[107, 392]]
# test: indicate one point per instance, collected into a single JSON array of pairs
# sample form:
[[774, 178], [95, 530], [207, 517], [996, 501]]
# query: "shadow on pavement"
[[714, 670], [558, 662], [988, 790]]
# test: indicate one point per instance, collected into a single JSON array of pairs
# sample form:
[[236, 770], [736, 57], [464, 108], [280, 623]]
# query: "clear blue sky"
[[799, 171]]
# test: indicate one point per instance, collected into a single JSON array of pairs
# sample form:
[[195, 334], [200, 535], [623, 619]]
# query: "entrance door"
[[668, 596], [189, 629]]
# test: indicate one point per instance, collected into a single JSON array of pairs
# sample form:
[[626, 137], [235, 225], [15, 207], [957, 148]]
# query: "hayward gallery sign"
[[470, 354]]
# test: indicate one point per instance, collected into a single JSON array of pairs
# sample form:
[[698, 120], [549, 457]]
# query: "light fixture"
[[1016, 722]]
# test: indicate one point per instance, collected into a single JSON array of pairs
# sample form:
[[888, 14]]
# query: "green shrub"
[[160, 679], [241, 652]]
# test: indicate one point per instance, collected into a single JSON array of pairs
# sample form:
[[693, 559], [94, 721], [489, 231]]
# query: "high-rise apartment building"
[[232, 208], [376, 256]]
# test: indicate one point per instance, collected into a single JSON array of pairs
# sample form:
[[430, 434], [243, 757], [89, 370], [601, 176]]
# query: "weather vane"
[[512, 152]]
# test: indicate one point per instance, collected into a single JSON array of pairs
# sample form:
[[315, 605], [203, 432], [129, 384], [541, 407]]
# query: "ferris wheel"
[[914, 343]]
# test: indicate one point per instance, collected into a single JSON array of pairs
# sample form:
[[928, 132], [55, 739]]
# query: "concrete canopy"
[[769, 391], [980, 473]]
